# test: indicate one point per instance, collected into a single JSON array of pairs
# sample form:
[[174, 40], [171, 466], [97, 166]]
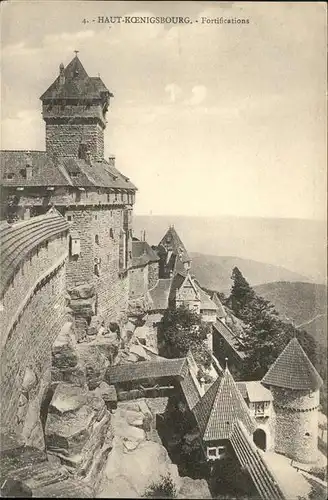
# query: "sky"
[[207, 119]]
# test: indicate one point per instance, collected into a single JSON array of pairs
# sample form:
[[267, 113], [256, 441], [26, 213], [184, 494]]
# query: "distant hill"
[[295, 244], [304, 303], [214, 272]]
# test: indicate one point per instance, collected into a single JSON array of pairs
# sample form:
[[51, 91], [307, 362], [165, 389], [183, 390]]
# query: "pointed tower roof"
[[293, 370], [220, 408], [172, 242], [73, 82], [221, 312]]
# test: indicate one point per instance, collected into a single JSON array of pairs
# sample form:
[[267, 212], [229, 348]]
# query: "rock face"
[[135, 461], [138, 460], [194, 488], [78, 430]]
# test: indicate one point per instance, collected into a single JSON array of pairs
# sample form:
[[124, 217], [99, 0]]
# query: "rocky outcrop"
[[138, 458], [78, 430], [135, 461]]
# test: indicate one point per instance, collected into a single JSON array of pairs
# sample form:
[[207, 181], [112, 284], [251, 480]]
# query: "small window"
[[96, 217], [9, 175], [307, 434], [69, 217], [212, 452], [97, 239]]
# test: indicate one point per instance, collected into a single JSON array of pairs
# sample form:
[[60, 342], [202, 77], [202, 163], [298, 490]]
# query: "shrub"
[[164, 488]]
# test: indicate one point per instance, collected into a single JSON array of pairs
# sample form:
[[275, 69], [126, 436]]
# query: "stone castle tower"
[[74, 108], [295, 383], [73, 176]]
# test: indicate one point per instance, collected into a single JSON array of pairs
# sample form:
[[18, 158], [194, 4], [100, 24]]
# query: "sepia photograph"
[[163, 240]]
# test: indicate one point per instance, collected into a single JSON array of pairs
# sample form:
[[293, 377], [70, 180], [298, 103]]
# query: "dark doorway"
[[259, 438]]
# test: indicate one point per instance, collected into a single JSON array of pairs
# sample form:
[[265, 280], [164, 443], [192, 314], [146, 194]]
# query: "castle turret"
[[173, 254], [295, 383], [74, 109]]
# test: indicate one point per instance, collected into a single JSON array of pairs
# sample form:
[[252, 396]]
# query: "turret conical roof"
[[73, 82], [172, 242], [293, 370], [220, 408]]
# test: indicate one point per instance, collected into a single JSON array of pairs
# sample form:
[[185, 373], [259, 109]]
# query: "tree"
[[241, 293], [164, 488], [180, 330], [265, 334]]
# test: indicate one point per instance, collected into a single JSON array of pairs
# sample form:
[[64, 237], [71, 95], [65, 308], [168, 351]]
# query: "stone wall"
[[29, 346], [99, 230], [138, 281], [64, 139], [152, 274], [296, 433], [44, 258]]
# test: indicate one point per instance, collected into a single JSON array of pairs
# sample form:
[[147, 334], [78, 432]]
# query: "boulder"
[[108, 394], [30, 380], [67, 398], [194, 488], [95, 363], [64, 354], [70, 488], [85, 291], [83, 307], [96, 324]]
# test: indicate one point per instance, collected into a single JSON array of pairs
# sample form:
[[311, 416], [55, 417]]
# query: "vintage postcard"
[[163, 249]]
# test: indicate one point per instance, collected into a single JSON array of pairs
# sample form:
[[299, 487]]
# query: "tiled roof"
[[77, 84], [250, 457], [254, 391], [221, 311], [160, 294], [49, 172], [220, 407], [18, 240], [171, 241], [176, 283], [145, 369], [205, 301], [190, 390], [293, 370], [230, 337], [142, 254]]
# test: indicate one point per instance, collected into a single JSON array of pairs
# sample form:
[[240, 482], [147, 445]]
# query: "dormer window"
[[74, 174]]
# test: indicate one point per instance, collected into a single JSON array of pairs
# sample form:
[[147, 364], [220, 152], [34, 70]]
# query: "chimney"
[[61, 75], [111, 160], [29, 167]]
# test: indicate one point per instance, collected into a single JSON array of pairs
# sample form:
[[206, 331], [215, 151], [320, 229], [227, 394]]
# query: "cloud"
[[199, 93], [174, 91]]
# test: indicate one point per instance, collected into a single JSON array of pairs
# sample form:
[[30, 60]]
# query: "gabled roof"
[[160, 294], [146, 369], [142, 254], [62, 171], [254, 391], [220, 408], [232, 339], [206, 303], [179, 281], [293, 370], [77, 84], [172, 242], [221, 311]]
